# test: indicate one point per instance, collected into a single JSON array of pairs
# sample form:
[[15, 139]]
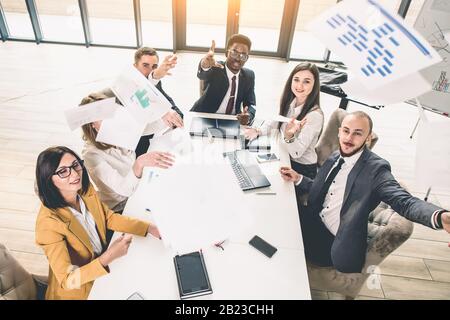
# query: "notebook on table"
[[192, 277]]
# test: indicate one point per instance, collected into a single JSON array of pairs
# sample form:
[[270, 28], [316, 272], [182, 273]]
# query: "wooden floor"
[[37, 82]]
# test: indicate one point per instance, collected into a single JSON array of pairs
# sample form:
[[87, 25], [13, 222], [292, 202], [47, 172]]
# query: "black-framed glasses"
[[238, 55], [64, 172]]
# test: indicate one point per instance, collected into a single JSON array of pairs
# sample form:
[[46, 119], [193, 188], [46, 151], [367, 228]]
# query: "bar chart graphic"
[[376, 44]]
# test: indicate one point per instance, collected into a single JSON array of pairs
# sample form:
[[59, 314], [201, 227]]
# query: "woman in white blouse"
[[300, 102], [115, 171]]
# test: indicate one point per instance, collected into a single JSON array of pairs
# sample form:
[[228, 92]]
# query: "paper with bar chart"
[[375, 43], [139, 96]]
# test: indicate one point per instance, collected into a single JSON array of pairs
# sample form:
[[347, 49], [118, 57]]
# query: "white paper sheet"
[[280, 118], [202, 209], [397, 91], [99, 110], [433, 155], [144, 101], [373, 42], [121, 130], [176, 141]]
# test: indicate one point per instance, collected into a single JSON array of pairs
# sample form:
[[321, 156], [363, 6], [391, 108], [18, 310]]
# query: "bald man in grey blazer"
[[349, 185]]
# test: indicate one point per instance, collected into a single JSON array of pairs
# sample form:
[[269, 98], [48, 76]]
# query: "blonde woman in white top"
[[300, 102], [115, 171]]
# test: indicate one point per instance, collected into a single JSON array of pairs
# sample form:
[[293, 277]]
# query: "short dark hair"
[[362, 114], [239, 38], [47, 163], [144, 51]]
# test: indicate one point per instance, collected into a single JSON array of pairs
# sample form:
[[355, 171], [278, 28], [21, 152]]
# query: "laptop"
[[218, 128], [262, 143], [247, 170]]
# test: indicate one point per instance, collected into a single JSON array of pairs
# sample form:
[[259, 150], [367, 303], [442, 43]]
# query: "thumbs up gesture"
[[244, 117], [208, 60]]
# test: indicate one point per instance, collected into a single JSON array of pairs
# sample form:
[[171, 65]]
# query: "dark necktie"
[[230, 104], [327, 184]]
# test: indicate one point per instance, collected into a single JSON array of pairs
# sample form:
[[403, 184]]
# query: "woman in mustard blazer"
[[71, 225]]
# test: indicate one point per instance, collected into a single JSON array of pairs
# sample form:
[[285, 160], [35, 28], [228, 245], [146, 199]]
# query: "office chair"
[[329, 141], [16, 283], [387, 230]]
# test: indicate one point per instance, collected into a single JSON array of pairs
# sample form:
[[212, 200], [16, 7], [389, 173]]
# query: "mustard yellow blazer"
[[73, 264]]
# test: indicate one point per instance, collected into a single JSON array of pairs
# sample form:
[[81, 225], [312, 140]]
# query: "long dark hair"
[[47, 163], [313, 98]]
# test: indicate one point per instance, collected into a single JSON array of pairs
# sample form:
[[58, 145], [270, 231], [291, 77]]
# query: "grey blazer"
[[369, 183]]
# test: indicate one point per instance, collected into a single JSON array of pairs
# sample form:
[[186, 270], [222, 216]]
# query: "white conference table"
[[237, 272]]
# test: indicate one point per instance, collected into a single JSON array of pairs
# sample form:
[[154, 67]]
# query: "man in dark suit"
[[349, 185], [229, 88], [146, 61]]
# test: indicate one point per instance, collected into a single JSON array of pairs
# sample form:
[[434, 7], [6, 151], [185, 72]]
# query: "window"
[[112, 22], [157, 30], [205, 21], [60, 20], [260, 20], [17, 19], [304, 44]]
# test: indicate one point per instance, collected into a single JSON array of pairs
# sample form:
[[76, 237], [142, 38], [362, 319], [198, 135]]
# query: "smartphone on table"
[[263, 246]]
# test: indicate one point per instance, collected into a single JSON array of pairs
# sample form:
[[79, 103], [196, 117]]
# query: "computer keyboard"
[[243, 180]]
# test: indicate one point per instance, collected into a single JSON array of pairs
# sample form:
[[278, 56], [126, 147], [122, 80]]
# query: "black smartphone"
[[263, 246]]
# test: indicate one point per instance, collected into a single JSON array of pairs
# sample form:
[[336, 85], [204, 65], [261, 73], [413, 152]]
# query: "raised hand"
[[293, 127], [208, 60], [163, 69]]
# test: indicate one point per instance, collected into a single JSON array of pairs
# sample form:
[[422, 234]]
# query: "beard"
[[343, 154]]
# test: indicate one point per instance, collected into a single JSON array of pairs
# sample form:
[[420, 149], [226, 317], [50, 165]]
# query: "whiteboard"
[[433, 22]]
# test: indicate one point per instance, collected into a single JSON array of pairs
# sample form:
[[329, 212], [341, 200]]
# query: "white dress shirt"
[[302, 149], [112, 172], [331, 212], [223, 105], [87, 221]]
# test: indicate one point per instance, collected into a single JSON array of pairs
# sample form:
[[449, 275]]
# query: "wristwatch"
[[289, 140]]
